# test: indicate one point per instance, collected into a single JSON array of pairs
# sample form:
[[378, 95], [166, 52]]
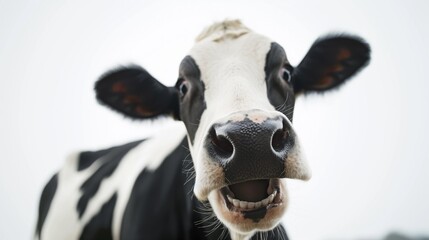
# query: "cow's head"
[[235, 94]]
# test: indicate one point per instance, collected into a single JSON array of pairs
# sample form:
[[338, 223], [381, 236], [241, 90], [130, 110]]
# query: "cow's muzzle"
[[252, 148]]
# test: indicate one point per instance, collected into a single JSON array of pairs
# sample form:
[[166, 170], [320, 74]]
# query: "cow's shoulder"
[[110, 156], [160, 202], [94, 189]]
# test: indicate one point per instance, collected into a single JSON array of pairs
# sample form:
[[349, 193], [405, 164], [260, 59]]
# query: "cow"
[[218, 171]]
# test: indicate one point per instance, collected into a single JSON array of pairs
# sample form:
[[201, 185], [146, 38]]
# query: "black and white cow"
[[217, 172]]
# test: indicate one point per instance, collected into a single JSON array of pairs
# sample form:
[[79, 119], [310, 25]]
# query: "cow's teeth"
[[252, 205], [236, 202], [271, 197], [265, 202], [243, 204]]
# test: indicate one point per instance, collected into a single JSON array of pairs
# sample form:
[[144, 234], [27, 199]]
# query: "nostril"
[[222, 146], [280, 138]]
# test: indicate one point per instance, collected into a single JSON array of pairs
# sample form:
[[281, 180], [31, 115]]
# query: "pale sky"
[[366, 143]]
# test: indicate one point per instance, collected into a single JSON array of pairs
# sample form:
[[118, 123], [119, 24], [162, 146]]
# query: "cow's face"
[[236, 100], [235, 94]]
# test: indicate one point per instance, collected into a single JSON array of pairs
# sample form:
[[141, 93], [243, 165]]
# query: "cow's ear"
[[133, 92], [329, 62]]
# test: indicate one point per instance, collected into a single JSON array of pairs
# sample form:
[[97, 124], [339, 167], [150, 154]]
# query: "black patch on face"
[[192, 104], [45, 202], [100, 226], [110, 162], [280, 91]]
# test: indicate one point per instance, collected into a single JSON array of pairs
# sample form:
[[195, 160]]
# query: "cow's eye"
[[183, 88], [286, 74]]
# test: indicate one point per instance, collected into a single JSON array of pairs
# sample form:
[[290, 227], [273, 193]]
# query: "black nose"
[[250, 150]]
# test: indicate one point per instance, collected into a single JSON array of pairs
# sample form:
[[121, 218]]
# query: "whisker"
[[223, 235], [284, 104]]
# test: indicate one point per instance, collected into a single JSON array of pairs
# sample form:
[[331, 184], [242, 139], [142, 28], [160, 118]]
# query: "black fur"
[[133, 92], [109, 162], [158, 207], [192, 104], [100, 226], [87, 158], [45, 202], [330, 61], [280, 92]]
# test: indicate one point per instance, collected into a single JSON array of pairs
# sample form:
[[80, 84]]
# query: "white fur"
[[62, 221]]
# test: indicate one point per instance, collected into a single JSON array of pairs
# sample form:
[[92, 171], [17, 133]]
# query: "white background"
[[367, 144]]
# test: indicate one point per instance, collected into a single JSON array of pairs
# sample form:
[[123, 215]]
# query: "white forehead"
[[230, 42], [231, 59]]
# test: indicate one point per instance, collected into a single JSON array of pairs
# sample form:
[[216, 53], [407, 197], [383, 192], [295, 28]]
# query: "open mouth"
[[251, 196]]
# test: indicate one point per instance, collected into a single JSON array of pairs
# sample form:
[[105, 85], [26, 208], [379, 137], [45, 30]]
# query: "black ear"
[[329, 62], [135, 93]]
